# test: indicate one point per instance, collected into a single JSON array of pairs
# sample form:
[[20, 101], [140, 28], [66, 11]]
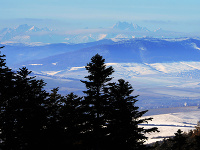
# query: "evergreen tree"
[[179, 141], [95, 103], [54, 133], [27, 109], [7, 92], [21, 108], [30, 118], [71, 120], [63, 121], [125, 118]]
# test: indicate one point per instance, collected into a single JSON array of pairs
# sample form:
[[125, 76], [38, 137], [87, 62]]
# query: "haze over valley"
[[163, 71]]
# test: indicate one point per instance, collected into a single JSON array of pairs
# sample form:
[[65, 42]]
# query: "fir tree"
[[71, 120], [23, 116], [95, 103], [125, 118], [54, 133], [7, 92], [21, 108], [27, 106], [179, 141]]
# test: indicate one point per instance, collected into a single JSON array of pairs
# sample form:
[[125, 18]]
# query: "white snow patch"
[[142, 48], [76, 68], [159, 67], [195, 65], [102, 36], [54, 63], [32, 28], [111, 64], [195, 46], [177, 39], [50, 72], [35, 64], [169, 123], [174, 67]]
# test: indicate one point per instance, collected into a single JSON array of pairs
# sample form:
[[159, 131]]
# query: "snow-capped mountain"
[[120, 31], [24, 28], [21, 34], [129, 27]]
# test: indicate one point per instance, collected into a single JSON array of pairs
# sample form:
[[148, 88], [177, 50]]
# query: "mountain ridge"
[[145, 50], [30, 34]]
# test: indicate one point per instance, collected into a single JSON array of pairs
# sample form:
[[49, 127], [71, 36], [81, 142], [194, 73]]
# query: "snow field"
[[169, 123]]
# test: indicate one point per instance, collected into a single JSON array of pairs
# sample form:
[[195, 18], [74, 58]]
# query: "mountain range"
[[33, 35], [165, 72]]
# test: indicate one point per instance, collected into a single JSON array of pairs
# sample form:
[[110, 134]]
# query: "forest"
[[105, 118]]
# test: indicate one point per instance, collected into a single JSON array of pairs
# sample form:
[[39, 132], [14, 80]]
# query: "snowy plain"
[[161, 77], [169, 120]]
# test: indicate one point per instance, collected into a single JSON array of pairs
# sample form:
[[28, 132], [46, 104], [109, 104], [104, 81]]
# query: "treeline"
[[105, 118], [181, 141]]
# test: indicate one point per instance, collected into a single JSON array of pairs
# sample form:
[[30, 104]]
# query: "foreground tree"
[[29, 115], [22, 113], [125, 118], [71, 120], [106, 118], [112, 117], [7, 91], [95, 103]]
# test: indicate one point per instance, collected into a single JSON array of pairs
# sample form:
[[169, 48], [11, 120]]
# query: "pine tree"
[[71, 120], [21, 108], [95, 103], [179, 141], [63, 121], [125, 118], [7, 92], [27, 107], [54, 133]]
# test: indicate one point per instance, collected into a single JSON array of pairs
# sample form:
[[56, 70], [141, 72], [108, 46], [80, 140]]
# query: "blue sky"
[[176, 15]]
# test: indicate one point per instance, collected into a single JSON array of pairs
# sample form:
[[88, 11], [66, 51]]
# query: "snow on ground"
[[179, 79], [127, 70], [172, 67], [50, 72], [169, 120]]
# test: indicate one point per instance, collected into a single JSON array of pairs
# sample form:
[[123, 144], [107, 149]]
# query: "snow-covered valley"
[[169, 120], [164, 72], [157, 84]]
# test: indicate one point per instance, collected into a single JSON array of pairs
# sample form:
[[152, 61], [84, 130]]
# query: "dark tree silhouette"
[[27, 109], [54, 130], [125, 118], [22, 115], [7, 92], [113, 118], [178, 141], [63, 128], [71, 120], [106, 118], [95, 102]]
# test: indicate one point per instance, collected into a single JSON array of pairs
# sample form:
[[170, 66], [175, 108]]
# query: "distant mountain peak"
[[29, 28], [128, 27], [22, 27], [121, 25]]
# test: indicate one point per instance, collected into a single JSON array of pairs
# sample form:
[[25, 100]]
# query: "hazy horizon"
[[179, 16]]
